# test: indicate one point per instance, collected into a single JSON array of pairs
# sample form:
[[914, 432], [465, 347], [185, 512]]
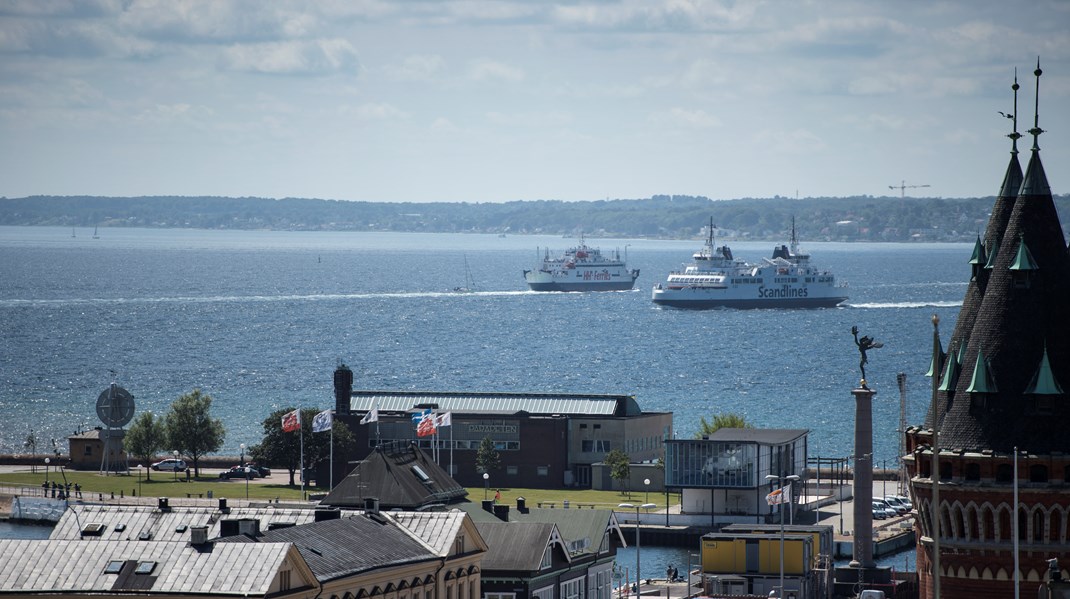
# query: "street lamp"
[[175, 466], [628, 506], [139, 492], [246, 472], [780, 480], [46, 470], [486, 482], [646, 485]]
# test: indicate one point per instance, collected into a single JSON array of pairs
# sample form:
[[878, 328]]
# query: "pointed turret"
[[1022, 308]]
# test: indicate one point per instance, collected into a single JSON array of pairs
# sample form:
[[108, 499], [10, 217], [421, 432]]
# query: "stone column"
[[863, 479]]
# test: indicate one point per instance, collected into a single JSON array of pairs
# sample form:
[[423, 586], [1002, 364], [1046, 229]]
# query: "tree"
[[146, 437], [620, 468], [487, 457], [191, 429], [281, 449], [730, 420]]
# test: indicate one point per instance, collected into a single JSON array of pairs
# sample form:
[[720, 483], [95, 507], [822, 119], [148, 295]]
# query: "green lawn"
[[164, 484]]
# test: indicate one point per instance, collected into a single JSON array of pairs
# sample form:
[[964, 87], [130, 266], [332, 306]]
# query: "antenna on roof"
[[1036, 130]]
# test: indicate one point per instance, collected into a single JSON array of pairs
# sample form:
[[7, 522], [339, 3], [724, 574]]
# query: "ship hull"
[[562, 286], [601, 280], [704, 299]]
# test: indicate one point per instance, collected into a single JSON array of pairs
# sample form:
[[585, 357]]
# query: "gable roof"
[[128, 523], [400, 476], [518, 546], [436, 530], [581, 530], [346, 546], [48, 566]]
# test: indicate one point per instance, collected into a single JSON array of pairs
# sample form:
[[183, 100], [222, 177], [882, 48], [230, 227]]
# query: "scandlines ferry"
[[715, 279], [581, 268]]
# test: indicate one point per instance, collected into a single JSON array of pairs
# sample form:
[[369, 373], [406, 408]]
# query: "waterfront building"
[[993, 456], [724, 474], [544, 440]]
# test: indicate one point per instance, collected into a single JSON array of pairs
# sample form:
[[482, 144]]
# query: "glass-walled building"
[[724, 475]]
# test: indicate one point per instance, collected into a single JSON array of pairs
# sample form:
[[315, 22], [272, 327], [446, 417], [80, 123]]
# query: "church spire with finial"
[[1036, 181]]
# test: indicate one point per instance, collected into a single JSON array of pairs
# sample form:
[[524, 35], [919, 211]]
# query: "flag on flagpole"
[[426, 427], [372, 415], [445, 419], [291, 422], [419, 417], [322, 421], [781, 495]]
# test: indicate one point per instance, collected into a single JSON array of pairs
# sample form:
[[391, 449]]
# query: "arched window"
[[1038, 473], [1003, 531], [973, 472], [1038, 526], [945, 470], [1004, 473], [1023, 525]]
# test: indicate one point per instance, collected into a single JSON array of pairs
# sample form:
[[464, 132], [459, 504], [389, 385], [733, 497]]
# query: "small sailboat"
[[469, 283], [95, 236]]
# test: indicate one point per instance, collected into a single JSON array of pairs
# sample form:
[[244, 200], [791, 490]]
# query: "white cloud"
[[486, 70], [292, 58], [422, 67], [375, 112], [682, 117], [444, 125]]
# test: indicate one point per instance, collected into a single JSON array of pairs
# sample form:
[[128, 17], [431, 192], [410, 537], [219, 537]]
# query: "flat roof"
[[764, 436], [539, 404]]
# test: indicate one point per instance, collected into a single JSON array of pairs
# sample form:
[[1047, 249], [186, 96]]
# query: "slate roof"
[[346, 546], [392, 473], [171, 525], [44, 566], [578, 527], [436, 530], [542, 404], [514, 546], [1016, 314]]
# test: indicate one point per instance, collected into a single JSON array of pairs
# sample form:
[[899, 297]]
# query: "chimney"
[[371, 505], [502, 512], [343, 389], [223, 505], [488, 505], [198, 535], [521, 505], [162, 504]]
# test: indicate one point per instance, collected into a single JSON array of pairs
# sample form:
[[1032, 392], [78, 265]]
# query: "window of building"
[[572, 589], [499, 595], [973, 472], [583, 426], [1038, 473], [542, 470], [1004, 473], [114, 567], [284, 580], [547, 557], [511, 470], [597, 426], [459, 544], [587, 446], [145, 567], [604, 547], [543, 593], [88, 450]]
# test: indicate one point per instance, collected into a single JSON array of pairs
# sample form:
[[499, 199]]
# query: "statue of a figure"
[[865, 343]]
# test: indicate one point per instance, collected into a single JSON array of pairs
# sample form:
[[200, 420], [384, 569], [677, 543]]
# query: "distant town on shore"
[[860, 218]]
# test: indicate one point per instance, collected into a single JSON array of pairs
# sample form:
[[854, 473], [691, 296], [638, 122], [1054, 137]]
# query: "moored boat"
[[715, 279], [581, 268]]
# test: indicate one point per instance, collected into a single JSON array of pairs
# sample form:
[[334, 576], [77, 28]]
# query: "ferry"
[[716, 279], [581, 268]]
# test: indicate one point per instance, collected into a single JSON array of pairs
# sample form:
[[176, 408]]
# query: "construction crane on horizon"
[[903, 187]]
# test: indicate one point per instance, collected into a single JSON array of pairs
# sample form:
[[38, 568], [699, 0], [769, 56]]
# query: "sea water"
[[260, 319]]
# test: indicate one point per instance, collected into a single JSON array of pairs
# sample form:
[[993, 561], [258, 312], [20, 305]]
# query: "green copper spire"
[[978, 256], [951, 373], [1044, 382], [1023, 260], [981, 381]]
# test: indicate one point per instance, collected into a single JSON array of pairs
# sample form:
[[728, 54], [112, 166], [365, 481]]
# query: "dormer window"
[[1023, 267]]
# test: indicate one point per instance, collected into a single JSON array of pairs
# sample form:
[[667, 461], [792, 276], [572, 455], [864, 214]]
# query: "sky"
[[492, 101]]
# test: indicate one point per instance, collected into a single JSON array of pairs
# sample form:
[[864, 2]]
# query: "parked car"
[[261, 470], [170, 464], [882, 511], [905, 501], [238, 472], [896, 504]]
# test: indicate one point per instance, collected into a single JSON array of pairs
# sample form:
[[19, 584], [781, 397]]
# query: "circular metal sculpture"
[[115, 406]]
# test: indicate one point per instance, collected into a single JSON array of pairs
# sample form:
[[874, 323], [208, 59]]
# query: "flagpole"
[[332, 454], [451, 445], [301, 437]]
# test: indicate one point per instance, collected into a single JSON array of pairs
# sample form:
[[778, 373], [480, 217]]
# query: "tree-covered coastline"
[[862, 218]]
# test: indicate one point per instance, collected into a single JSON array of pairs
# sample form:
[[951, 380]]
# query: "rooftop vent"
[[93, 529], [162, 504], [327, 514], [198, 535], [223, 505], [371, 505]]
